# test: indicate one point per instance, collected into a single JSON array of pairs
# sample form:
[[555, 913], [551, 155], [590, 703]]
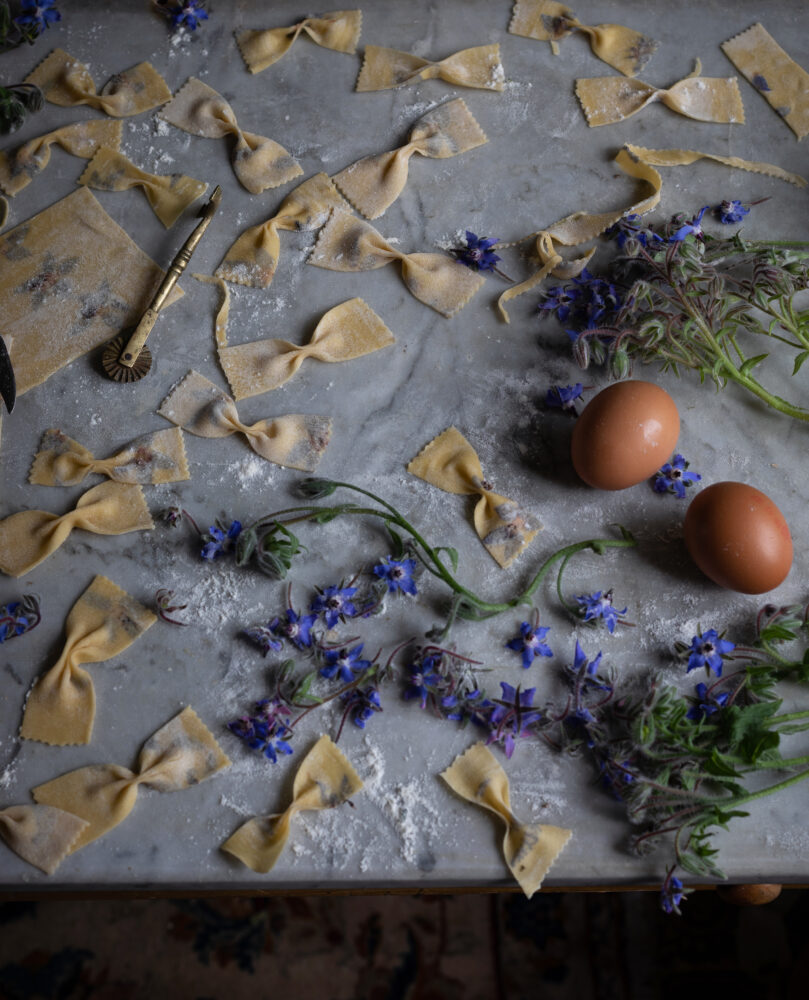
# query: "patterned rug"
[[465, 947]]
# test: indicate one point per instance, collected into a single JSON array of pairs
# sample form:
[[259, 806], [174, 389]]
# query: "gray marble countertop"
[[489, 379]]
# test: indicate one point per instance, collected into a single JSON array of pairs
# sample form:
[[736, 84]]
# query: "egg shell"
[[738, 537], [624, 435]]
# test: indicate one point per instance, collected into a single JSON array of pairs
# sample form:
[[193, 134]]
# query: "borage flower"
[[693, 228], [220, 539], [478, 253], [706, 703], [707, 651], [38, 15], [559, 300], [263, 637], [425, 681], [628, 233], [529, 643], [674, 477], [563, 397], [345, 662], [730, 212], [513, 716], [671, 894], [295, 628], [361, 704], [266, 730], [598, 606], [334, 603], [19, 617], [397, 574], [187, 14]]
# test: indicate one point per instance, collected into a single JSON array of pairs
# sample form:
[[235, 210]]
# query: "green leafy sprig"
[[702, 302], [272, 546], [689, 773], [16, 102]]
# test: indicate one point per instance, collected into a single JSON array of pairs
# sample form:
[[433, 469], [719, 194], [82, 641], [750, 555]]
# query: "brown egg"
[[624, 435], [738, 538]]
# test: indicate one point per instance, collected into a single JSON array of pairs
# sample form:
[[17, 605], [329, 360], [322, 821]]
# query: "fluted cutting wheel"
[[121, 373]]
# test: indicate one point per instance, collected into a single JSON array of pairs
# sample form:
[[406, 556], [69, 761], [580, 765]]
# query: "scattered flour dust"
[[215, 600], [341, 839]]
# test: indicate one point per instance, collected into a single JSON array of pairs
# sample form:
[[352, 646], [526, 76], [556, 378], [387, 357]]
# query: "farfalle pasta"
[[529, 849], [580, 227], [778, 78], [153, 458], [479, 67], [624, 49], [253, 258], [179, 755], [451, 463], [325, 779], [258, 162], [84, 139], [296, 440], [65, 81], [373, 183], [103, 623], [606, 100], [350, 330], [70, 279], [338, 30], [440, 282], [41, 835], [169, 195], [30, 536]]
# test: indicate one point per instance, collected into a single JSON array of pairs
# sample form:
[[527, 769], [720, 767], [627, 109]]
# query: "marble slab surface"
[[489, 379]]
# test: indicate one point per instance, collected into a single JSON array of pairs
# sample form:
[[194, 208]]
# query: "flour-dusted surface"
[[488, 379]]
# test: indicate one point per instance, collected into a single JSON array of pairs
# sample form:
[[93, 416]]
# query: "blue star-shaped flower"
[[398, 574], [580, 661], [693, 228], [563, 397], [296, 628], [478, 253], [188, 14], [707, 651], [263, 637], [512, 717], [730, 212], [559, 300], [38, 15], [345, 662], [671, 895], [424, 679], [707, 703], [220, 540], [335, 604], [599, 606], [529, 643], [362, 704], [673, 477]]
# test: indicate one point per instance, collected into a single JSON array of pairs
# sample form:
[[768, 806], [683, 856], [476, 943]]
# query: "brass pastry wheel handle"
[[127, 358]]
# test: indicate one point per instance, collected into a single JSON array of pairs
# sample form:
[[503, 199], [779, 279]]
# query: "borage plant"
[[685, 766], [677, 297], [272, 546]]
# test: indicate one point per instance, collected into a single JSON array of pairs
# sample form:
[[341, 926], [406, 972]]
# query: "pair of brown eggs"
[[733, 532]]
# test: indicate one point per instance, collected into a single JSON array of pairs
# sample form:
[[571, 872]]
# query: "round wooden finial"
[[756, 894]]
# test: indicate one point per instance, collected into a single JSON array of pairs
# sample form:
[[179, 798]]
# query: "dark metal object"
[[8, 384]]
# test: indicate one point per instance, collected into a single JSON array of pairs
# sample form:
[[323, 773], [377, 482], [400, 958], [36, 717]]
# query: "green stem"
[[762, 793], [435, 564]]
